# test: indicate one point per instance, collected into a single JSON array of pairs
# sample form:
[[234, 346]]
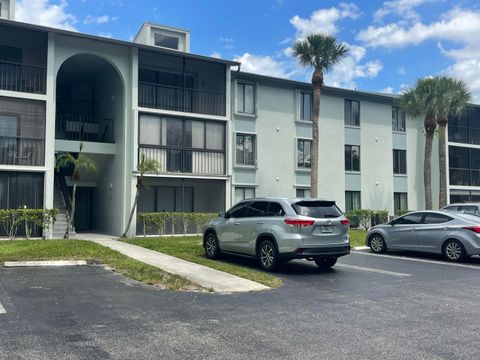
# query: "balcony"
[[173, 98], [463, 134], [85, 128], [22, 78], [185, 161], [22, 151], [464, 177]]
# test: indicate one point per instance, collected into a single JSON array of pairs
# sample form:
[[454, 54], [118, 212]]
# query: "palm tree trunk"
[[72, 213], [427, 171], [442, 161], [317, 81], [130, 218]]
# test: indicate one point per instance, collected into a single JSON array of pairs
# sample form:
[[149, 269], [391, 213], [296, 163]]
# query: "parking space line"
[[2, 309], [419, 260], [354, 267]]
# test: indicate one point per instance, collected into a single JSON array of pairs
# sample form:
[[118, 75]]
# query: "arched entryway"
[[90, 109]]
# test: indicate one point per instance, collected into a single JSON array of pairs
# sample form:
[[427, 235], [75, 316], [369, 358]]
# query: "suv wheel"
[[453, 250], [325, 262], [211, 246], [267, 255], [377, 244]]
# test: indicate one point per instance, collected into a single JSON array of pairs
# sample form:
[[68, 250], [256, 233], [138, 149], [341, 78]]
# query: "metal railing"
[[464, 177], [22, 151], [23, 78], [180, 99], [85, 128], [189, 161], [463, 134]]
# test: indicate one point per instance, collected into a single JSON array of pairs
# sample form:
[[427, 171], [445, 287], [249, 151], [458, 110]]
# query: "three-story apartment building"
[[218, 134]]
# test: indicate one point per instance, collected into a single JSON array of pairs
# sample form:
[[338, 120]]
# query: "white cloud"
[[351, 68], [387, 90], [216, 54], [228, 42], [42, 12], [401, 71], [265, 65], [99, 20], [457, 25], [403, 8], [324, 20]]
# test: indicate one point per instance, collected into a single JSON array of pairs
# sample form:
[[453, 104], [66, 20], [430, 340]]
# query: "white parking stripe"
[[2, 309], [419, 260], [372, 270]]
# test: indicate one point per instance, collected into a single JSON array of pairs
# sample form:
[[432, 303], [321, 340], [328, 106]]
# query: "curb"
[[15, 264]]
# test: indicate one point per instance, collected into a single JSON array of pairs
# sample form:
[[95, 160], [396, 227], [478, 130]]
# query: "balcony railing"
[[186, 161], [23, 78], [22, 151], [180, 99], [85, 128], [462, 134], [464, 177]]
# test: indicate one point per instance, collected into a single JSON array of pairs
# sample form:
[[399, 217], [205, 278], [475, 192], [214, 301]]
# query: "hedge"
[[159, 221], [364, 217], [12, 219]]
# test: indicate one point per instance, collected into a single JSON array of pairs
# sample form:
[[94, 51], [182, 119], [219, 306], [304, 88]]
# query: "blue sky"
[[391, 42]]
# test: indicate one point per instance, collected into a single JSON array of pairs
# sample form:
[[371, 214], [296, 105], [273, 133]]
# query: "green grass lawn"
[[357, 237], [190, 248], [28, 250]]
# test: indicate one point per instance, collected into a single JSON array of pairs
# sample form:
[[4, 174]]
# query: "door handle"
[[236, 223], [414, 229], [446, 228], [259, 222]]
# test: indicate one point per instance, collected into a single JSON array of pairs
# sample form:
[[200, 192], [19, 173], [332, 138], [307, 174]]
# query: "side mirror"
[[221, 214], [393, 222]]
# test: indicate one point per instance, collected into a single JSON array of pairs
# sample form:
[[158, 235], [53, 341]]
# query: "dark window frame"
[[349, 118], [242, 85], [243, 161], [397, 201], [305, 163], [302, 105], [243, 188], [398, 119], [349, 199], [350, 163], [399, 166]]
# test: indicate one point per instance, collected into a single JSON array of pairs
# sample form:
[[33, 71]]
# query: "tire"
[[325, 262], [267, 255], [377, 244], [453, 250], [212, 250]]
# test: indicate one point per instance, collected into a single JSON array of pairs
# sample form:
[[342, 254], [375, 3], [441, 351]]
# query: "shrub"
[[11, 219], [158, 221]]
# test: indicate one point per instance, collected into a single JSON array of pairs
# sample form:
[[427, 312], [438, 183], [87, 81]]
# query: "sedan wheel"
[[267, 255], [453, 250], [377, 244], [211, 246]]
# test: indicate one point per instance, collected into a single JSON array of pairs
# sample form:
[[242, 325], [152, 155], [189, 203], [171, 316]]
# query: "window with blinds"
[[245, 150], [22, 132]]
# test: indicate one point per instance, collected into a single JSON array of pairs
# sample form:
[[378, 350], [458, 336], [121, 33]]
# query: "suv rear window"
[[317, 209]]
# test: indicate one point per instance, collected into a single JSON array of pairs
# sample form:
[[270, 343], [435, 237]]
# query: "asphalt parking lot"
[[398, 306]]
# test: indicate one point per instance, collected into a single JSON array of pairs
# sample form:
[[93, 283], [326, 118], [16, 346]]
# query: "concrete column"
[[50, 127]]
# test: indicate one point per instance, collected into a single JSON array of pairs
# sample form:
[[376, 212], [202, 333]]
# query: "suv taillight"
[[299, 222], [345, 222], [473, 228]]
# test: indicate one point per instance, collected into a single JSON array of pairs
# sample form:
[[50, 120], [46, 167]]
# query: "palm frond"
[[147, 165]]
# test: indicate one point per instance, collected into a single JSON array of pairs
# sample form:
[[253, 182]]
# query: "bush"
[[365, 218], [354, 219], [11, 219], [402, 212], [159, 221]]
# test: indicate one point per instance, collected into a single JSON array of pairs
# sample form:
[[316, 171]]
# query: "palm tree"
[[144, 166], [421, 100], [320, 52], [453, 97], [80, 163]]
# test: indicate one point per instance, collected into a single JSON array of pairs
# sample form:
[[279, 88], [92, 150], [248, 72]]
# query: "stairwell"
[[61, 224]]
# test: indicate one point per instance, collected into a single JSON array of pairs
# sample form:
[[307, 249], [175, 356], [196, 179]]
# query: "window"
[[352, 200], [245, 150], [399, 162], [170, 42], [400, 202], [352, 158], [410, 219], [469, 209], [317, 209], [246, 98], [303, 193], [433, 218], [464, 166], [239, 211], [150, 130], [352, 113], [306, 106], [275, 209], [398, 119], [242, 193], [257, 208], [304, 150]]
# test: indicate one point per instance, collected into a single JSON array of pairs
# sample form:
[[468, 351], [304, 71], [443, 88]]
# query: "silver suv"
[[275, 229]]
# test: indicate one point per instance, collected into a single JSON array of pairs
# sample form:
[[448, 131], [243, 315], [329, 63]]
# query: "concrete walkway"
[[204, 276]]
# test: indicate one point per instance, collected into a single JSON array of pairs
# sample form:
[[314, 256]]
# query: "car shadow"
[[295, 267]]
